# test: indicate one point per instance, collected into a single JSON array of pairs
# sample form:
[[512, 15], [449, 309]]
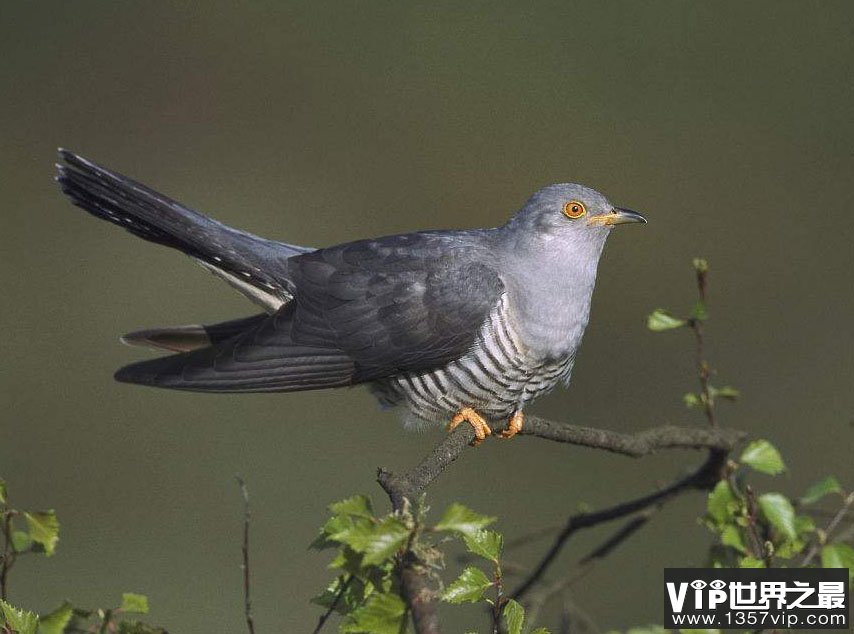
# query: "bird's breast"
[[549, 323]]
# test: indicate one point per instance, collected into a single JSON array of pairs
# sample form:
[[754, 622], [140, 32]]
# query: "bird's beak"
[[618, 216]]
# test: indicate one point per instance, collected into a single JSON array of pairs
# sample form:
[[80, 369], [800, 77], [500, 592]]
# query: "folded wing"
[[361, 311]]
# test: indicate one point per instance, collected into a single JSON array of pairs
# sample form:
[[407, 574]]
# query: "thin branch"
[[703, 478], [9, 554], [832, 525], [610, 545], [338, 595], [247, 599], [637, 444], [539, 599], [759, 543], [704, 370], [411, 484]]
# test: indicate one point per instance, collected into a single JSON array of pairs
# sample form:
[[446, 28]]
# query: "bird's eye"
[[574, 209]]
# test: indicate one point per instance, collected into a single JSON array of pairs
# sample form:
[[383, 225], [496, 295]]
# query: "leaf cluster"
[[37, 532], [757, 530], [370, 549]]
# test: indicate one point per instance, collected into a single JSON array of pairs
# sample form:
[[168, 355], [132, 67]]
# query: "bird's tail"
[[254, 265], [191, 337], [256, 354]]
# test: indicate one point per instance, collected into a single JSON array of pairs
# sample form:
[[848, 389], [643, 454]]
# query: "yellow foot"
[[467, 414], [514, 426]]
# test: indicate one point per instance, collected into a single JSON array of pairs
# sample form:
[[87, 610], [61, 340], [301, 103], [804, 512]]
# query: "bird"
[[452, 326]]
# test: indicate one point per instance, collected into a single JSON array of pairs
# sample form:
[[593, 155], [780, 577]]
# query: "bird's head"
[[572, 213]]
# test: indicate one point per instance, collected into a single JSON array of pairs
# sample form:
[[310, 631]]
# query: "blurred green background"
[[729, 124]]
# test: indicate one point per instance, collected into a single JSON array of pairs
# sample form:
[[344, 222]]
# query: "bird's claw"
[[467, 414], [514, 426]]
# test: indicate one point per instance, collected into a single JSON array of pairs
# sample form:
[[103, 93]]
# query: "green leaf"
[[727, 392], [462, 519], [762, 456], [56, 621], [780, 513], [358, 505], [44, 529], [838, 556], [381, 614], [820, 489], [337, 528], [3, 492], [380, 541], [20, 621], [21, 541], [804, 524], [751, 562], [134, 603], [649, 629], [701, 265], [790, 549], [469, 586], [514, 615], [660, 320], [692, 400], [483, 543], [731, 536], [722, 503], [540, 630]]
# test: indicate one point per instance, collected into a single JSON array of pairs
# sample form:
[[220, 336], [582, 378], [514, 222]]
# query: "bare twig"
[[634, 445], [411, 484], [703, 478], [759, 543], [539, 599], [704, 370], [831, 526], [338, 595], [247, 600], [500, 600], [9, 554], [625, 531]]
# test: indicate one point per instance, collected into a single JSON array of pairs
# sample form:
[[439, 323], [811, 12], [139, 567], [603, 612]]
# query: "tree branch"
[[420, 598], [634, 445], [702, 478], [403, 489], [247, 597]]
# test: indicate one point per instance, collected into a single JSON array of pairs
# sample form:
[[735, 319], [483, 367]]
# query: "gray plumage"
[[435, 320]]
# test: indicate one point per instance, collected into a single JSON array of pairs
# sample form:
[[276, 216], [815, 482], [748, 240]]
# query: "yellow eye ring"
[[574, 209]]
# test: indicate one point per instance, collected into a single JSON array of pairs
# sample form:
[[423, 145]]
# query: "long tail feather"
[[255, 262]]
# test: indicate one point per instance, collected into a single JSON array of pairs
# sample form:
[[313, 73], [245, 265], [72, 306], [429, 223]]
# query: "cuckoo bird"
[[461, 326]]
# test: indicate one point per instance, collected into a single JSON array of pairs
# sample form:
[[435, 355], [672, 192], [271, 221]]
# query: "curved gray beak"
[[618, 216]]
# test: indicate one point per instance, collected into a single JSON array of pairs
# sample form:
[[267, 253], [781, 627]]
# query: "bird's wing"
[[362, 311], [398, 304], [252, 264], [263, 358]]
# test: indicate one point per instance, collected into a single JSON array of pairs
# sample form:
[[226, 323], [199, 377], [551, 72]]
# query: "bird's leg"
[[467, 414], [514, 426]]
